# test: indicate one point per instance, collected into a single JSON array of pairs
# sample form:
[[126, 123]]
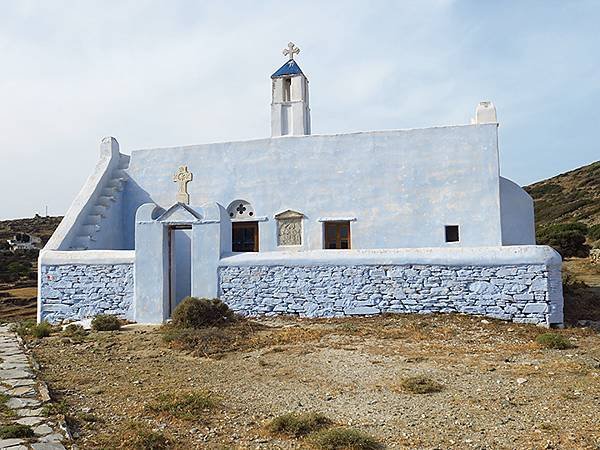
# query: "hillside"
[[42, 227], [18, 271], [569, 197]]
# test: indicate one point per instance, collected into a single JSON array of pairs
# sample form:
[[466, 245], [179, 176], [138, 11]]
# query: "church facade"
[[415, 220]]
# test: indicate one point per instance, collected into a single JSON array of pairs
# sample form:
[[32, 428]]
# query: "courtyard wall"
[[521, 284], [79, 285]]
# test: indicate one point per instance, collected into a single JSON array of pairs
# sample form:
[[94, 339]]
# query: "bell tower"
[[290, 113]]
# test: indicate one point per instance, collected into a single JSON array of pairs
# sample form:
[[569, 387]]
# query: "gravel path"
[[24, 397]]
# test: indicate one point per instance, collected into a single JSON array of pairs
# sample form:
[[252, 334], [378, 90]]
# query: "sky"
[[177, 72]]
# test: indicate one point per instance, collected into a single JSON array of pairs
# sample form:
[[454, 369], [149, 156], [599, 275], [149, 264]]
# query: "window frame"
[[447, 230], [251, 224], [338, 238]]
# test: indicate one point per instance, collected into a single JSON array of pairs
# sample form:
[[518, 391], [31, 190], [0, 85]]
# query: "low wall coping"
[[464, 256], [51, 257]]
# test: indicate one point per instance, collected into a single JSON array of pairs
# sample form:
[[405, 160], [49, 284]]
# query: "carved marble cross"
[[291, 50], [183, 176]]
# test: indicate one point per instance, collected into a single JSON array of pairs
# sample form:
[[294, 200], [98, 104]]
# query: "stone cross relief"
[[290, 232], [182, 177], [291, 50]]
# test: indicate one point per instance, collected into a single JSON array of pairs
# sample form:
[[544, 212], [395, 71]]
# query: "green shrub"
[[195, 312], [55, 408], [420, 385], [344, 439], [5, 411], [106, 322], [18, 268], [297, 425], [554, 340], [189, 406], [30, 328], [568, 239], [544, 189], [41, 330], [24, 327], [74, 330], [15, 431], [594, 232]]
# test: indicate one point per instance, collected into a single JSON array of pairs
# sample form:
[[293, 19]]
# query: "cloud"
[[156, 73]]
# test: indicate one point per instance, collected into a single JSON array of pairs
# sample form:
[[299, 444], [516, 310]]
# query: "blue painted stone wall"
[[78, 291], [521, 293]]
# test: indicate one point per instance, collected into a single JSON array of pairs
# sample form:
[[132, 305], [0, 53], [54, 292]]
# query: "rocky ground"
[[24, 420], [500, 388]]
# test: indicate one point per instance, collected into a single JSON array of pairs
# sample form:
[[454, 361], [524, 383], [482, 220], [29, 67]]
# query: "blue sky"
[[158, 73]]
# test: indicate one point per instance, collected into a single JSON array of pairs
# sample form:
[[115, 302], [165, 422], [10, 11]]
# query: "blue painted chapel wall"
[[402, 186], [516, 207]]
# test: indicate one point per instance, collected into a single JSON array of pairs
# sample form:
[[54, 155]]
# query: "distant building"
[[24, 241], [392, 221]]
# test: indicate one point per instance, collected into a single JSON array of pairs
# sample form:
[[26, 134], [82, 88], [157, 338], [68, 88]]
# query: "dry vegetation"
[[569, 197], [494, 385]]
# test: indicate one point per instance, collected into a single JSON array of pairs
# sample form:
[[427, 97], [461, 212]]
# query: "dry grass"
[[298, 424], [344, 368], [344, 439], [187, 406], [420, 385], [554, 341], [15, 431], [138, 436], [26, 292]]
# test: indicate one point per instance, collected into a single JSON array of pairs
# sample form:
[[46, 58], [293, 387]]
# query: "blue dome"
[[289, 68]]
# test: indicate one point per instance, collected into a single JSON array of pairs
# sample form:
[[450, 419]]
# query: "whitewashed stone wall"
[[78, 291], [521, 293]]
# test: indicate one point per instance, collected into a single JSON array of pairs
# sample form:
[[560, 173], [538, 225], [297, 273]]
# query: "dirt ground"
[[501, 389]]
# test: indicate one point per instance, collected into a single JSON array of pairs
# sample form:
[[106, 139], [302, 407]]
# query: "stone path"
[[25, 398]]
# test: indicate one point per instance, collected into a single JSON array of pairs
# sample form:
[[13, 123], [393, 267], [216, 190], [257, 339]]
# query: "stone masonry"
[[84, 290], [521, 293], [24, 397]]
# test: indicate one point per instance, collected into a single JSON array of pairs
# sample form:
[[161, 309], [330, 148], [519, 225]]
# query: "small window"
[[452, 233], [287, 89], [337, 235], [244, 236]]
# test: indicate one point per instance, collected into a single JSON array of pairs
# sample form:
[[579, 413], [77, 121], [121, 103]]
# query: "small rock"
[[10, 442], [30, 421], [42, 430], [521, 380]]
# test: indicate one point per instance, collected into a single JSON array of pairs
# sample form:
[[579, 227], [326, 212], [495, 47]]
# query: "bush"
[[23, 328], [544, 189], [74, 331], [15, 431], [189, 406], [30, 328], [41, 330], [106, 322], [139, 437], [594, 232], [420, 385], [195, 312], [568, 239], [18, 268], [297, 425], [554, 340], [344, 439]]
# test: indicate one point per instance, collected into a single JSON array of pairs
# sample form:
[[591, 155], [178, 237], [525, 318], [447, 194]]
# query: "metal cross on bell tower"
[[291, 50]]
